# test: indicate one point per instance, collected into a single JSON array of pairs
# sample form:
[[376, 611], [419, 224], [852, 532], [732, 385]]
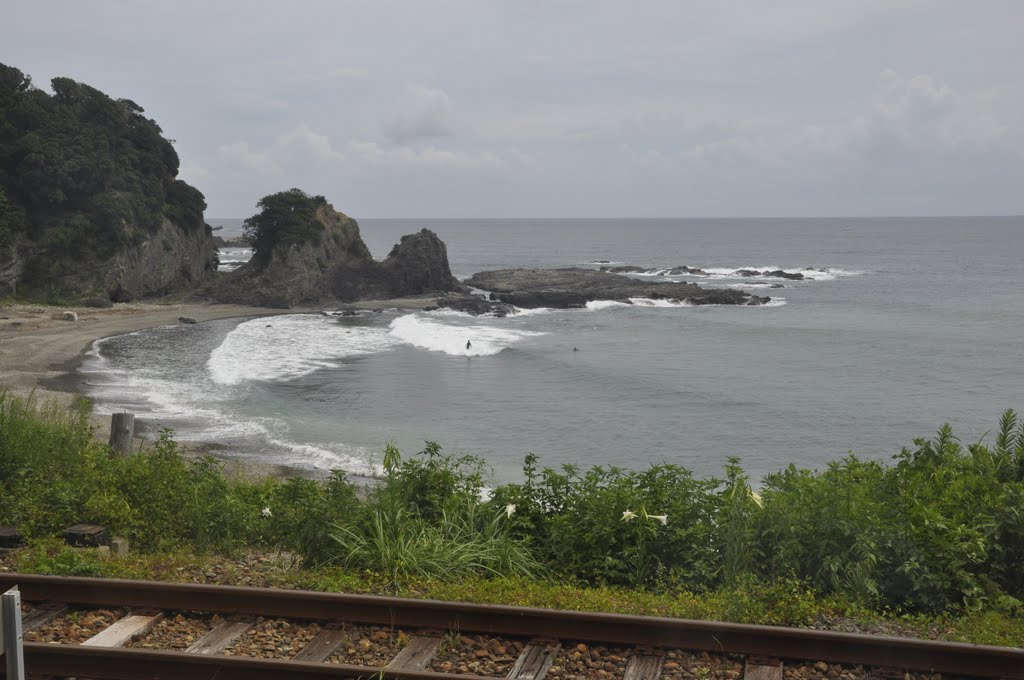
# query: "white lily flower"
[[757, 498], [510, 509], [266, 512], [661, 518], [628, 515]]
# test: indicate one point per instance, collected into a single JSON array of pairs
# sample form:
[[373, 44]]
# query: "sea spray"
[[474, 339], [288, 347]]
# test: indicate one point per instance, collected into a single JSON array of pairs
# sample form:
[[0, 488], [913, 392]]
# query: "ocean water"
[[903, 324]]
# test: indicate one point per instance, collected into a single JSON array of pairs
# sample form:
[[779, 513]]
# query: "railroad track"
[[139, 629]]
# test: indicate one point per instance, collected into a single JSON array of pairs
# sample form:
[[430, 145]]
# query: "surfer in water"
[[468, 344]]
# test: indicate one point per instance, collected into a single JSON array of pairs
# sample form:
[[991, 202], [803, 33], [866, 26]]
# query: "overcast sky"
[[577, 108]]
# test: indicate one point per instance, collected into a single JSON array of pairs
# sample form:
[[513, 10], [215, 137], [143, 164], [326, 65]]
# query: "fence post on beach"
[[122, 430]]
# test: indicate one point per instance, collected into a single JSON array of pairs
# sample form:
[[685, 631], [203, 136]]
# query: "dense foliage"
[[285, 218], [82, 173], [940, 528]]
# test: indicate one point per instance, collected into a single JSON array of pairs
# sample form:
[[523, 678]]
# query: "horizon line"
[[677, 217]]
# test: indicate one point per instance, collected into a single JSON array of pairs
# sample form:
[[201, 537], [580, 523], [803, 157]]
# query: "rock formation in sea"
[[90, 203], [695, 271], [308, 253], [574, 287]]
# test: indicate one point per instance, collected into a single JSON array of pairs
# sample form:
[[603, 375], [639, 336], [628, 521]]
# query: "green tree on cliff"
[[84, 174], [285, 218]]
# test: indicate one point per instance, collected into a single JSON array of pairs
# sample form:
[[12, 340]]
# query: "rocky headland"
[[91, 206], [316, 256]]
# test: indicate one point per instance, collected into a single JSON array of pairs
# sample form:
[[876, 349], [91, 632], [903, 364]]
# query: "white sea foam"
[[636, 302], [809, 273], [534, 311], [444, 311], [595, 305], [437, 336], [774, 302], [650, 302], [351, 459], [233, 258], [287, 347], [813, 274], [741, 286]]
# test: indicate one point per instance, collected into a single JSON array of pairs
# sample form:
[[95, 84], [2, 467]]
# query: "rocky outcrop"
[[475, 305], [418, 264], [334, 266], [777, 273], [574, 287], [173, 259], [696, 271]]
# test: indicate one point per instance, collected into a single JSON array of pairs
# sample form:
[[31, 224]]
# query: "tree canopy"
[[286, 217], [82, 172]]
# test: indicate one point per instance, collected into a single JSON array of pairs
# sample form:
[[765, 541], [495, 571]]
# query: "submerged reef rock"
[[777, 273], [307, 253], [575, 287]]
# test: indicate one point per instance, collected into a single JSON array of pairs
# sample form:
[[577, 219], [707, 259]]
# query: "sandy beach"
[[40, 350]]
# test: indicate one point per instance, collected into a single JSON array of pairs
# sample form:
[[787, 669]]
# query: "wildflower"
[[266, 512], [628, 515], [661, 518], [756, 497], [510, 509]]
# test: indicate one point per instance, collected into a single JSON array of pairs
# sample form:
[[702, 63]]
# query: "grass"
[[785, 603], [930, 545]]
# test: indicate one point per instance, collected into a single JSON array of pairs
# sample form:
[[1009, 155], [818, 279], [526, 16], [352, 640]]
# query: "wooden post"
[[122, 430]]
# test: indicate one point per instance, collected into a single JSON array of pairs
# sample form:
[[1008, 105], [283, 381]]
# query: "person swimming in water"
[[468, 344]]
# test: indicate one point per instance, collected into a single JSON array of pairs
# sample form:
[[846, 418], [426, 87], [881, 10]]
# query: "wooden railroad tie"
[[534, 662], [322, 646], [220, 638], [416, 655], [123, 630], [762, 668], [39, 617], [644, 666]]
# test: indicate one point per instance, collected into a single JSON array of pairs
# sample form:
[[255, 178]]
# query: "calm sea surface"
[[908, 323]]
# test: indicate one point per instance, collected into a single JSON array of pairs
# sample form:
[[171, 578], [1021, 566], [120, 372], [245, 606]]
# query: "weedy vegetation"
[[933, 538]]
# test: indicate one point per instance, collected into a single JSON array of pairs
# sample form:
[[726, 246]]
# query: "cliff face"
[[90, 203], [333, 265], [172, 260], [169, 260]]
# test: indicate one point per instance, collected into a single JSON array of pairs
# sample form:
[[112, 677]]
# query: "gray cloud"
[[583, 107], [423, 113]]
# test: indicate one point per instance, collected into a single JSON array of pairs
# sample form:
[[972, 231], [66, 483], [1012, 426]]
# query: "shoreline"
[[40, 354]]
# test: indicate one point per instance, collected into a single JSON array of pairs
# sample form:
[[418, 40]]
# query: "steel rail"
[[146, 664], [127, 664], [710, 636]]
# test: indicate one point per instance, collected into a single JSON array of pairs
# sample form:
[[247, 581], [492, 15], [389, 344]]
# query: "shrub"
[[604, 526]]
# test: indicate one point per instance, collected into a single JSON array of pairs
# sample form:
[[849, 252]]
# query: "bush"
[[54, 474], [426, 519], [606, 526], [941, 528]]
